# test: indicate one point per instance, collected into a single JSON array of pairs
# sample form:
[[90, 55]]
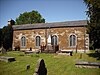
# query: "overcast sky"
[[51, 10]]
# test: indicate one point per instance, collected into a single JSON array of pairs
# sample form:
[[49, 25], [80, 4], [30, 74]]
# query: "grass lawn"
[[56, 64]]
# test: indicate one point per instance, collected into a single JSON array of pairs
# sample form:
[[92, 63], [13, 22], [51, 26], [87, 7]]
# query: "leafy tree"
[[94, 22], [7, 35], [0, 37], [30, 18]]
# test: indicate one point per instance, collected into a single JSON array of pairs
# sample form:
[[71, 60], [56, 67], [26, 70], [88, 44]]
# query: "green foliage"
[[94, 22], [55, 64], [7, 36], [0, 37], [30, 18]]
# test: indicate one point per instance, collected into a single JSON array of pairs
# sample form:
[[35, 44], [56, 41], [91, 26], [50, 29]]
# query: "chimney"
[[11, 22]]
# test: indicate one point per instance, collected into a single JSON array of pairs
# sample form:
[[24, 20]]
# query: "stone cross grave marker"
[[40, 69]]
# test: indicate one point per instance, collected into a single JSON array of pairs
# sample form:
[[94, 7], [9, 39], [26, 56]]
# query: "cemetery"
[[52, 63], [64, 41]]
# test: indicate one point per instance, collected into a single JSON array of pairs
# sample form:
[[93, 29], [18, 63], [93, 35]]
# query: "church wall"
[[30, 38], [63, 35]]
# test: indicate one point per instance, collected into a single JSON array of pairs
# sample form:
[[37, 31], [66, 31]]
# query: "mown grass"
[[56, 64]]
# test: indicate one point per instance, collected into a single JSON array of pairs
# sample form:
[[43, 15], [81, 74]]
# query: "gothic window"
[[38, 40], [72, 40], [23, 41], [54, 40]]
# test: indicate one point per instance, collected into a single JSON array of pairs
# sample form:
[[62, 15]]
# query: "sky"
[[51, 10]]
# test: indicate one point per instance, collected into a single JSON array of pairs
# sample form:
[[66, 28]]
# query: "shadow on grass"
[[94, 55]]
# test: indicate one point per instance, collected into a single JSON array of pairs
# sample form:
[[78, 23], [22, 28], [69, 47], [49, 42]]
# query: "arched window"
[[72, 40], [23, 41], [54, 40], [38, 40]]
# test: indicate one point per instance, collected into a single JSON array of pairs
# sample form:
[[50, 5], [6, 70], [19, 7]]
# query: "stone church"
[[69, 35]]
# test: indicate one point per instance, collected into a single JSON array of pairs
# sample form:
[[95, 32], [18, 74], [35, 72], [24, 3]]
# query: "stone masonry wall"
[[62, 34]]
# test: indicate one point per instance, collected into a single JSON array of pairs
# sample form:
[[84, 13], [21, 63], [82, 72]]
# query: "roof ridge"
[[51, 22]]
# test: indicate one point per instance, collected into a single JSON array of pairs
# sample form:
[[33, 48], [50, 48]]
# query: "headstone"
[[30, 48], [40, 69], [81, 56], [27, 66], [76, 48], [98, 58], [71, 53], [3, 50], [7, 59]]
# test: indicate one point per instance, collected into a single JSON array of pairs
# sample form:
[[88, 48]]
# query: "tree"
[[7, 37], [30, 18], [0, 37], [94, 22]]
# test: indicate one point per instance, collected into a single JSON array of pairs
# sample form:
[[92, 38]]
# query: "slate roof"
[[50, 25]]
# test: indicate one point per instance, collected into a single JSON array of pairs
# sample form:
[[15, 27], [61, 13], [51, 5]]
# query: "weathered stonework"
[[62, 33]]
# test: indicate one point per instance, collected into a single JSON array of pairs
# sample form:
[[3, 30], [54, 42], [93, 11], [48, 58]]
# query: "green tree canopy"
[[30, 18], [7, 37], [94, 22], [0, 37]]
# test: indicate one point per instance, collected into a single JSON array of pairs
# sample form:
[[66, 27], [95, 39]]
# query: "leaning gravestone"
[[40, 69], [27, 66], [3, 50]]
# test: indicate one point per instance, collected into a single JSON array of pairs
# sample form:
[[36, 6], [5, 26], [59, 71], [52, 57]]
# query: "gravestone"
[[81, 56], [27, 66], [30, 49], [3, 50], [84, 64], [7, 59], [40, 69]]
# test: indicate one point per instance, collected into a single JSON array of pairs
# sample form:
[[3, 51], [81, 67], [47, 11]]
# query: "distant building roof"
[[50, 25]]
